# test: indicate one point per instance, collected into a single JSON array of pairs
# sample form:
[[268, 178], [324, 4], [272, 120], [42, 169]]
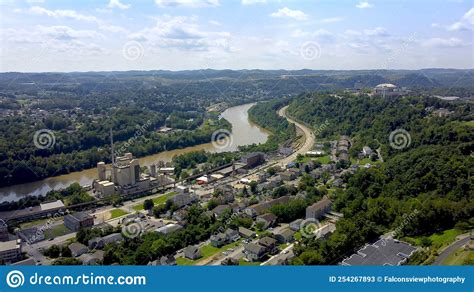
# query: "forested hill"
[[428, 179]]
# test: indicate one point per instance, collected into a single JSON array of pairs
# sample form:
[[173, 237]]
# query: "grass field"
[[158, 201], [243, 262], [117, 213], [56, 231], [441, 239], [206, 252], [460, 257]]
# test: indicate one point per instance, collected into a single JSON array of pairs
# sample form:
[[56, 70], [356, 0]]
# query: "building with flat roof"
[[384, 252], [52, 205], [78, 220], [10, 251]]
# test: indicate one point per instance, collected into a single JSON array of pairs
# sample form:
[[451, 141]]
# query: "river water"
[[244, 132]]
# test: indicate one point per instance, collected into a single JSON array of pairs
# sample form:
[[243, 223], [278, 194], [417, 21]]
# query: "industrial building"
[[78, 220]]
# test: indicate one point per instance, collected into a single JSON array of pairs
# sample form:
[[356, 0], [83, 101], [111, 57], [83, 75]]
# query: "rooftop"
[[384, 252]]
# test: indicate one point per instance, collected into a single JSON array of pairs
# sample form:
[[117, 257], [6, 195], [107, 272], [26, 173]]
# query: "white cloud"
[[289, 13], [251, 2], [118, 4], [183, 33], [364, 4], [332, 19], [466, 22], [187, 3], [72, 14], [61, 13], [444, 43]]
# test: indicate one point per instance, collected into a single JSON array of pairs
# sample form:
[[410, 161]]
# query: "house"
[[232, 235], [164, 261], [254, 252], [77, 249], [337, 183], [192, 252], [100, 242], [367, 151], [267, 219], [180, 215], [284, 235], [261, 208], [78, 221], [88, 259], [295, 225], [181, 200], [246, 233], [218, 240], [287, 176], [168, 228], [318, 209], [268, 243], [219, 210]]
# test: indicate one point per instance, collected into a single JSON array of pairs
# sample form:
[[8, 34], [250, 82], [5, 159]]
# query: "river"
[[244, 132]]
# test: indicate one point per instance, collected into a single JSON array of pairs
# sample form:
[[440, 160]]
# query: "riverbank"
[[244, 132]]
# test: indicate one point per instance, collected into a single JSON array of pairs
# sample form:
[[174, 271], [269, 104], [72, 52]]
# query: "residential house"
[[295, 225], [246, 233], [254, 252], [192, 252], [284, 235], [77, 249], [270, 244], [267, 219], [219, 210]]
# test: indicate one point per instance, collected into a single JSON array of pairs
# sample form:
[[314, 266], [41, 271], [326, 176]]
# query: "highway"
[[308, 136]]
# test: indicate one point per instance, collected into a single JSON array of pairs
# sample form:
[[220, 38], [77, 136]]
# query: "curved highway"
[[307, 133]]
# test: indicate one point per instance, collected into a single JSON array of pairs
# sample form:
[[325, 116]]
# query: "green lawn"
[[469, 123], [323, 159], [34, 223], [243, 262], [56, 231], [185, 262], [462, 256], [117, 213], [441, 239], [158, 201], [206, 252]]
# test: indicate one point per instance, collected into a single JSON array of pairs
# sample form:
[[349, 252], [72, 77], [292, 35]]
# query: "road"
[[451, 248], [307, 133], [285, 251]]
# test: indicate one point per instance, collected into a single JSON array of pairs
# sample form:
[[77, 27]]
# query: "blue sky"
[[47, 35]]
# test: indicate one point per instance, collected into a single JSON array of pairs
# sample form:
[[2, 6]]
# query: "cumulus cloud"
[[183, 33], [465, 23], [289, 13], [118, 4], [364, 5], [187, 3]]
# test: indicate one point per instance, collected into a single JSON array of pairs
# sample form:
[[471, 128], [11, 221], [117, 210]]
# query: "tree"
[[148, 204]]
